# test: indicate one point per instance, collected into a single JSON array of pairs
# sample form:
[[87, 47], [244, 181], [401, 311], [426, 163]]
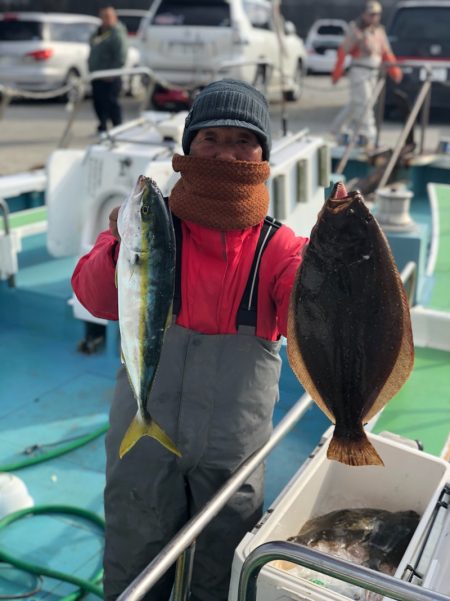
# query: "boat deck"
[[421, 410], [50, 394]]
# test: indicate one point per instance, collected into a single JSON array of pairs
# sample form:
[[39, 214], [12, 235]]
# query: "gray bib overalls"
[[214, 396]]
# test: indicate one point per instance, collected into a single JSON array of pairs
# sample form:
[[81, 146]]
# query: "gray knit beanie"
[[229, 103]]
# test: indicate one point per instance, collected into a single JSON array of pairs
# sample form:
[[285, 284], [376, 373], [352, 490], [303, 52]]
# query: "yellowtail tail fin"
[[139, 428], [353, 452]]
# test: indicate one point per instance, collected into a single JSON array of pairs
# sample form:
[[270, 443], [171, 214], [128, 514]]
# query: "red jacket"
[[214, 270]]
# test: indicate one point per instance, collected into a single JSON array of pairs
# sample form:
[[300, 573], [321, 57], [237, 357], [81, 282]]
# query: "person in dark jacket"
[[109, 48], [218, 374]]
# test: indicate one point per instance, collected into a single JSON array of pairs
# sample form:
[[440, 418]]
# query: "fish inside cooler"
[[321, 487]]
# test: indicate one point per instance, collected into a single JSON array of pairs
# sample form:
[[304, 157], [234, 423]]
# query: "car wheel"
[[294, 94], [77, 91]]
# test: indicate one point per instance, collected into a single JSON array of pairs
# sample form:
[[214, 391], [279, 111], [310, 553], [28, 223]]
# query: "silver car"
[[323, 39], [44, 51]]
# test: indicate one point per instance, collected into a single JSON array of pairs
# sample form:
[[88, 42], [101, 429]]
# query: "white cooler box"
[[410, 480]]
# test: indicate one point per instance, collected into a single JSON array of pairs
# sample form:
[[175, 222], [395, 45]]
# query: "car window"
[[71, 32], [210, 13], [330, 30], [421, 23], [131, 23], [259, 16], [20, 31]]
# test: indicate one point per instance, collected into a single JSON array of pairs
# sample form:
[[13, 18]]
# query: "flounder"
[[349, 331]]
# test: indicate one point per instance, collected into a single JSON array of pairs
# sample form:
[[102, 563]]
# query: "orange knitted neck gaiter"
[[218, 194]]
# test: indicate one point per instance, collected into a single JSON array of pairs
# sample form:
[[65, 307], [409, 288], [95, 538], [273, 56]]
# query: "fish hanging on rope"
[[349, 330], [145, 280]]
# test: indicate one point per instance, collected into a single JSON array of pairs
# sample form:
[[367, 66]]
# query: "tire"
[[299, 76]]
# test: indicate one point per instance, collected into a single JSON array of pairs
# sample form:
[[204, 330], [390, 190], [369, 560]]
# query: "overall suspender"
[[247, 312]]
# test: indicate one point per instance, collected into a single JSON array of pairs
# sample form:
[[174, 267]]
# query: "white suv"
[[44, 51], [193, 42]]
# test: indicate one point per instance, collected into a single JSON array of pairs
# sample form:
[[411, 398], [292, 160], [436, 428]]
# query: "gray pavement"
[[30, 130]]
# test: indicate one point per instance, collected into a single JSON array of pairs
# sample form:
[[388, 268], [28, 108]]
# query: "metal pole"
[[380, 112], [162, 562], [409, 280], [377, 582], [183, 574], [11, 278], [425, 120], [408, 125]]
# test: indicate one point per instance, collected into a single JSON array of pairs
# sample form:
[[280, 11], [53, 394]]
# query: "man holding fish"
[[218, 372], [211, 365]]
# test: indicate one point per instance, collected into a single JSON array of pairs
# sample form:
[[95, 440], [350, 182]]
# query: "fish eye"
[[145, 210]]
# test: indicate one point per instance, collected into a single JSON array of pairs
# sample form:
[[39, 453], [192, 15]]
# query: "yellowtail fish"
[[349, 330], [145, 278]]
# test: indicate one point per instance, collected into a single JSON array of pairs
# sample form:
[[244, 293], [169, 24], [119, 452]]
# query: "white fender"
[[64, 202]]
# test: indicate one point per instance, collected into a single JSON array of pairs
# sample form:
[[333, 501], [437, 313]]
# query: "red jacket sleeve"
[[93, 280], [339, 67], [395, 73], [284, 255]]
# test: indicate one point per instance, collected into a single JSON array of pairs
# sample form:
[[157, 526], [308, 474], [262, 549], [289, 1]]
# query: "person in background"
[[218, 374], [366, 42], [109, 48]]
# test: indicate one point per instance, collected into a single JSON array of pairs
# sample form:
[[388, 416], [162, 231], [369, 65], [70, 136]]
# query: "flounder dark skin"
[[375, 538], [349, 330]]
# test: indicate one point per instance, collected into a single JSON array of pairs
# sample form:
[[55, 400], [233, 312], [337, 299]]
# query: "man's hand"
[[113, 223]]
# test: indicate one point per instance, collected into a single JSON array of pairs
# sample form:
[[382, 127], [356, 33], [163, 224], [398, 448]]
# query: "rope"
[[18, 93]]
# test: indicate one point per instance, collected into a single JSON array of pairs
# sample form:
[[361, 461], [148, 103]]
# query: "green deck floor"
[[421, 410]]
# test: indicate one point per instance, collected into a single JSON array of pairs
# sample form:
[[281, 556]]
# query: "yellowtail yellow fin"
[[139, 428]]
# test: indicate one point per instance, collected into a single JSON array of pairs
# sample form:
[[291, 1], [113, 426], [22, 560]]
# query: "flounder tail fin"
[[353, 452], [139, 428]]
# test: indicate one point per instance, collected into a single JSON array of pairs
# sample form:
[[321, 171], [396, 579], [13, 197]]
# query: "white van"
[[42, 51], [193, 42]]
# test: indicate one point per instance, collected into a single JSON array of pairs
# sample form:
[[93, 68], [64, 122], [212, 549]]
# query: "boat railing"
[[149, 79], [181, 548], [409, 279], [4, 210], [422, 101], [380, 583], [10, 186]]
